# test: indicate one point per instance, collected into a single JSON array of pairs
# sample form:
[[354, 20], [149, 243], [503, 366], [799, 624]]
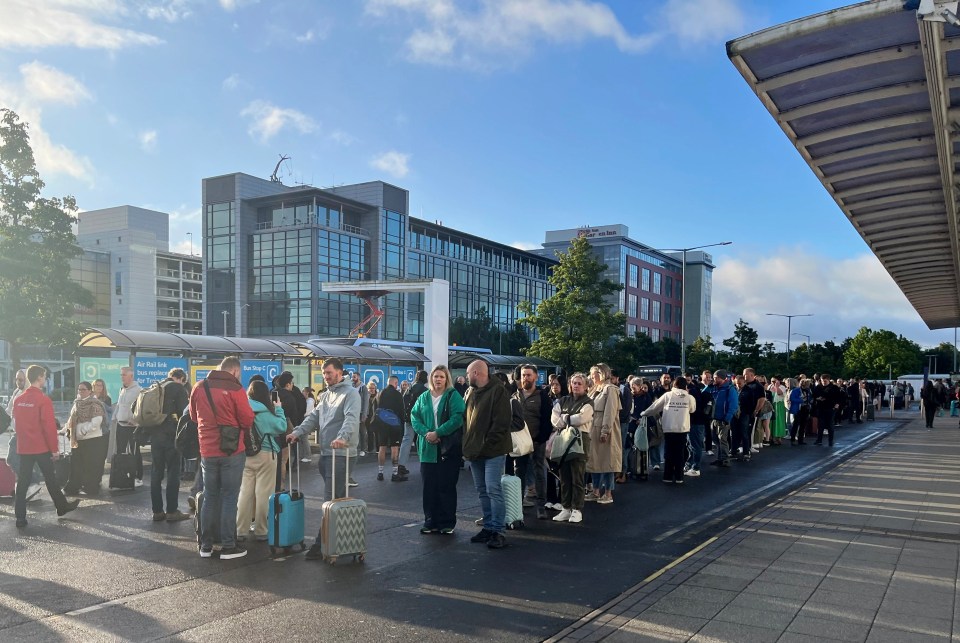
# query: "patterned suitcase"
[[637, 463], [285, 514], [513, 500], [343, 525]]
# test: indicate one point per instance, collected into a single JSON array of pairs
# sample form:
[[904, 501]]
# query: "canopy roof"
[[320, 349], [462, 360], [151, 341], [869, 96]]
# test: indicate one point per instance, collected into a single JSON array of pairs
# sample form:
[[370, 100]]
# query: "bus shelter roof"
[[154, 341], [870, 97], [318, 349]]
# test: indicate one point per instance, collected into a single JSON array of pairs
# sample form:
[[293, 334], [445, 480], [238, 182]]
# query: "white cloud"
[[51, 158], [57, 23], [309, 36], [233, 5], [396, 164], [525, 245], [340, 137], [148, 140], [231, 82], [169, 10], [702, 22], [842, 295], [267, 120], [45, 84], [499, 29]]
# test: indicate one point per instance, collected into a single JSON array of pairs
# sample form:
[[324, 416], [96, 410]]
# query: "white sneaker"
[[361, 453], [754, 450], [305, 460], [575, 516], [710, 452], [656, 467], [138, 483], [563, 516], [693, 473]]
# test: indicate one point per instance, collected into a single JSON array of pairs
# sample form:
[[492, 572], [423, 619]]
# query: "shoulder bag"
[[229, 435]]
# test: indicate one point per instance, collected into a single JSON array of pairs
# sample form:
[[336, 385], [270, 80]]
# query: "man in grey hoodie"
[[337, 415]]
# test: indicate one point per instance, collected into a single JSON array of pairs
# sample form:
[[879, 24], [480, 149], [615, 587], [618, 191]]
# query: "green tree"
[[943, 358], [669, 351], [626, 353], [36, 245], [744, 349], [871, 354], [575, 324], [700, 355], [481, 332]]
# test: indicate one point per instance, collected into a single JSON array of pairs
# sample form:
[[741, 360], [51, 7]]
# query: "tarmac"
[[866, 552]]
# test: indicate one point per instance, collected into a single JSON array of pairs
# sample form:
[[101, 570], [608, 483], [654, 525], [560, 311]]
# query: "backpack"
[[4, 421], [187, 441], [148, 407]]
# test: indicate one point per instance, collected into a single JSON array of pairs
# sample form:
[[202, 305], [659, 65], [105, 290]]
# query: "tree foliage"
[[36, 245], [743, 348], [700, 355], [575, 324], [481, 332], [873, 354]]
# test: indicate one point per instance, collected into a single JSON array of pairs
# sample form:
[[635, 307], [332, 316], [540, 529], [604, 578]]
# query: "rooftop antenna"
[[273, 177]]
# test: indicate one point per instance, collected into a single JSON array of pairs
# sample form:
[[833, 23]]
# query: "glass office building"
[[269, 247]]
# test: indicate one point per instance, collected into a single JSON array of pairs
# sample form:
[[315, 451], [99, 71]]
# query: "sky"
[[503, 118]]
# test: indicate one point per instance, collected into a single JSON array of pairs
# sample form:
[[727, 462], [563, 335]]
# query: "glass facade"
[[92, 271], [220, 258]]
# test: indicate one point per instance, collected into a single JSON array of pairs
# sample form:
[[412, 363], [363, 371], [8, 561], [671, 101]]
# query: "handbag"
[[654, 434], [522, 443], [566, 443], [229, 435]]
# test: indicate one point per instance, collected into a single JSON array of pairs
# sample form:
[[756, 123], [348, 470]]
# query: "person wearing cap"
[[725, 405]]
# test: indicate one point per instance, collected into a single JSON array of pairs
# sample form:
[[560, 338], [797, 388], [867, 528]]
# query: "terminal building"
[[652, 298], [269, 247]]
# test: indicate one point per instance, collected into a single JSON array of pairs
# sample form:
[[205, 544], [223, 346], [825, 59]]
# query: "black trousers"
[[929, 412], [825, 423], [798, 430], [674, 455], [126, 439], [86, 465], [45, 462], [440, 492]]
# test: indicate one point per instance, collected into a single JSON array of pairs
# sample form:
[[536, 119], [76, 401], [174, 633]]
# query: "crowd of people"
[[570, 441]]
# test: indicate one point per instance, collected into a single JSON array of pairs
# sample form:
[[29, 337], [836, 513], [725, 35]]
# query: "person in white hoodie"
[[676, 406]]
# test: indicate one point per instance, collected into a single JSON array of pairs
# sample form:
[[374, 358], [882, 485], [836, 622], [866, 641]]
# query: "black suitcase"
[[637, 463], [196, 523], [123, 471]]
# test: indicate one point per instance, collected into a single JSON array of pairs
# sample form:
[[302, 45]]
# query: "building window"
[[677, 312], [657, 281], [644, 308], [631, 330], [656, 311], [655, 334], [667, 312], [632, 275], [119, 283], [645, 282], [669, 287], [632, 306]]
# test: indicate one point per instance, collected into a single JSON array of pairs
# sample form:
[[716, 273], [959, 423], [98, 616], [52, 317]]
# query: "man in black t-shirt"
[[751, 400]]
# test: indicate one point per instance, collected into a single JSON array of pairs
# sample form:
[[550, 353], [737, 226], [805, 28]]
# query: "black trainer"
[[397, 477], [482, 537], [67, 508], [314, 553], [380, 476], [403, 470], [233, 552], [497, 541]]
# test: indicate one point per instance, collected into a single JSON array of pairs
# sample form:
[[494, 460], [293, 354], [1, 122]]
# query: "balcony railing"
[[166, 292], [192, 314], [193, 276], [168, 314], [195, 296], [169, 273], [267, 225]]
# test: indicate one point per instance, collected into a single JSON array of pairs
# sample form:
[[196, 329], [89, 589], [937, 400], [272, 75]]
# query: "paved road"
[[108, 572]]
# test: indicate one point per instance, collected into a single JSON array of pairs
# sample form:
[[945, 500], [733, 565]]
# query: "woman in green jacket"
[[260, 471], [437, 417]]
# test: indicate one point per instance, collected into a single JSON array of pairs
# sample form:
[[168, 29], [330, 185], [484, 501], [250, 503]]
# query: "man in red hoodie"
[[37, 443], [220, 407]]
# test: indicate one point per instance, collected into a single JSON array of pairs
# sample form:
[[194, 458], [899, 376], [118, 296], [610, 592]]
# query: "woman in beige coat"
[[606, 450]]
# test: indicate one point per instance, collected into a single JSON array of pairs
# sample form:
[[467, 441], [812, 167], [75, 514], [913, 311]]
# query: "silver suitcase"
[[343, 526]]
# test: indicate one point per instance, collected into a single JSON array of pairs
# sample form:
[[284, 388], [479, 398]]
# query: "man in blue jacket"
[[725, 405]]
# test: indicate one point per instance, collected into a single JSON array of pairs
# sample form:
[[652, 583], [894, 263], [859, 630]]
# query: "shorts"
[[388, 436], [766, 416]]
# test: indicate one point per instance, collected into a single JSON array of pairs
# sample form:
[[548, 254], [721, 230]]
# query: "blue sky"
[[503, 118]]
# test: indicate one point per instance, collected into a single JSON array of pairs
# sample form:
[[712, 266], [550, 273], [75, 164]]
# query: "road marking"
[[703, 519], [687, 555]]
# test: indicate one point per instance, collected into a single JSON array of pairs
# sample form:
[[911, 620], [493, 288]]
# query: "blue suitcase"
[[285, 514]]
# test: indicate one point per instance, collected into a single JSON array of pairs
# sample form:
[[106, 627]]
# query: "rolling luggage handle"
[[333, 474]]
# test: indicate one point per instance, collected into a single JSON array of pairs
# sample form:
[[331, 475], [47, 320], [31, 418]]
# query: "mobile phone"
[[275, 395]]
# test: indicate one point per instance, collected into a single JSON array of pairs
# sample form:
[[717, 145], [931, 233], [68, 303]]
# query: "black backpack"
[[4, 420], [188, 438]]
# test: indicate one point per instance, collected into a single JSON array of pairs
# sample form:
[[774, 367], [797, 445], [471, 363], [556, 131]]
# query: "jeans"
[[486, 477], [742, 434], [602, 481], [440, 492], [798, 429], [539, 461], [655, 455], [723, 440], [45, 462], [13, 459], [221, 488], [303, 448], [405, 445], [166, 464], [696, 446], [825, 423], [328, 471]]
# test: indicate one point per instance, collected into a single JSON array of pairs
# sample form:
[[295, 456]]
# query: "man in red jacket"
[[37, 443], [220, 407]]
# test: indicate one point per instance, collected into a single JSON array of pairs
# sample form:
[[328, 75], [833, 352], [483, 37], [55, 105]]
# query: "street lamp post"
[[225, 313], [789, 322], [239, 329], [190, 234], [683, 296], [802, 335]]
